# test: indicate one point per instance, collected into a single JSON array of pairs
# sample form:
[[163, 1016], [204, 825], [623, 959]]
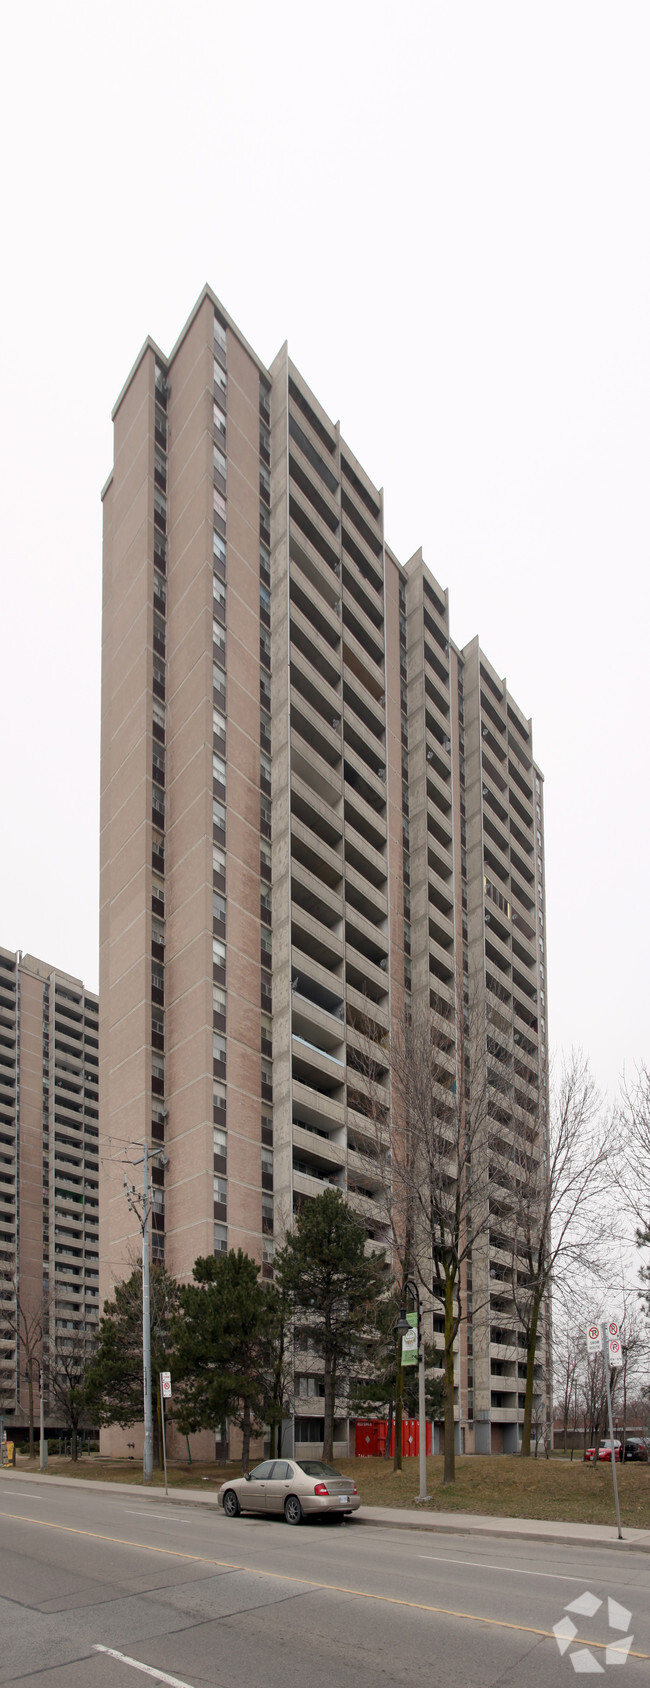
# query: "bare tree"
[[26, 1318], [440, 1162], [557, 1215], [632, 1163], [70, 1352]]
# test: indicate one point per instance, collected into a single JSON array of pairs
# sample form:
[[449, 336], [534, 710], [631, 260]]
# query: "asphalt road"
[[103, 1591]]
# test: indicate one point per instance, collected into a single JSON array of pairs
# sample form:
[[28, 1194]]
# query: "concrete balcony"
[[307, 565], [314, 939], [376, 1011], [315, 1025], [315, 771], [308, 644], [315, 896], [325, 1112], [362, 706], [371, 785], [326, 1155], [307, 1184], [365, 820], [373, 1212], [359, 665], [314, 729], [354, 576], [367, 1170], [315, 856], [310, 524], [315, 1066], [368, 627], [314, 812], [360, 856], [329, 983]]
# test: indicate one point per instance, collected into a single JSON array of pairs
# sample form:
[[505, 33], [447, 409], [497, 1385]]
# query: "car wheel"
[[231, 1505], [292, 1510]]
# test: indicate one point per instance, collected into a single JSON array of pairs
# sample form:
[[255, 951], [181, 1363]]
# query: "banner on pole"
[[410, 1342], [594, 1338], [166, 1385]]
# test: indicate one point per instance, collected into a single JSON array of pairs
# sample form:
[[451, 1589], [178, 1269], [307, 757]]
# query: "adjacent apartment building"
[[313, 807], [49, 1175]]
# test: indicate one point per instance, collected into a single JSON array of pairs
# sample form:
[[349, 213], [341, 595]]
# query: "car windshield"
[[317, 1468]]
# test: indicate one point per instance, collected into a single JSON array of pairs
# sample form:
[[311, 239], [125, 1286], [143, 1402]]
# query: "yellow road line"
[[308, 1582]]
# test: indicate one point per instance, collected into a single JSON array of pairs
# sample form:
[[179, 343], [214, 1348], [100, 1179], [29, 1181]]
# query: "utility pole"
[[141, 1206], [43, 1446]]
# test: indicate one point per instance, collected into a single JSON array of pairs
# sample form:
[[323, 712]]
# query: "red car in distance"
[[604, 1451]]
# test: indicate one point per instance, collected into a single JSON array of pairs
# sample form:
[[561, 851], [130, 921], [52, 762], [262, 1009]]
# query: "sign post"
[[165, 1395], [604, 1339]]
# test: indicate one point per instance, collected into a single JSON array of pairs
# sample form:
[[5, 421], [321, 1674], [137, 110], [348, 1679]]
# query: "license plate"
[[344, 1500]]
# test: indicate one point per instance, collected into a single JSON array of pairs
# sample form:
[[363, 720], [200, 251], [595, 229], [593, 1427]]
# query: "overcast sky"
[[445, 211]]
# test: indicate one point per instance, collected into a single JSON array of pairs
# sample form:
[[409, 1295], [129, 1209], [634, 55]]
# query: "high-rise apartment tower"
[[313, 805], [49, 1203]]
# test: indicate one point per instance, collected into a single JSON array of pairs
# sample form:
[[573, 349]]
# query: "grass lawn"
[[507, 1486], [502, 1486]]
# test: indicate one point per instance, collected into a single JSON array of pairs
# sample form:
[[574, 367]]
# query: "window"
[[219, 334], [218, 676], [265, 479], [158, 1067], [267, 1169], [220, 1190], [219, 549], [220, 1149], [265, 818], [218, 596], [265, 604], [157, 930], [267, 1129], [218, 640], [159, 588], [219, 419], [157, 889], [218, 723], [266, 942], [220, 1239], [218, 953], [268, 1252], [219, 461], [159, 713], [218, 768], [267, 1214], [265, 859], [265, 558], [220, 377], [218, 1000], [219, 505], [219, 1096], [265, 767], [218, 860], [218, 906], [160, 508], [218, 1047], [218, 815]]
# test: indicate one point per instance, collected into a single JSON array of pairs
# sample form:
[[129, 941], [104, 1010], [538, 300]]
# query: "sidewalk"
[[389, 1517]]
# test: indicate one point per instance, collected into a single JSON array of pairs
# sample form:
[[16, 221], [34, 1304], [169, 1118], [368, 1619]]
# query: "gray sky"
[[445, 211]]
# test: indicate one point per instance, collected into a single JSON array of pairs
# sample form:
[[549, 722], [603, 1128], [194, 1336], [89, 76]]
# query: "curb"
[[427, 1524]]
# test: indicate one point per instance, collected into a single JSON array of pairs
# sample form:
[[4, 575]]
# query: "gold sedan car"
[[299, 1488]]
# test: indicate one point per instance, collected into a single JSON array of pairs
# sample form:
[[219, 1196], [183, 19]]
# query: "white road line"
[[147, 1670], [25, 1494], [512, 1570]]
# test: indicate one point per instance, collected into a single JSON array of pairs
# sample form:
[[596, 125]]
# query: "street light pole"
[[402, 1327], [147, 1457], [141, 1205], [43, 1446]]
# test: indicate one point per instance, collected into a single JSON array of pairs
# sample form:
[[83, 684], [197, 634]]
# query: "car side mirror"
[[247, 1476]]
